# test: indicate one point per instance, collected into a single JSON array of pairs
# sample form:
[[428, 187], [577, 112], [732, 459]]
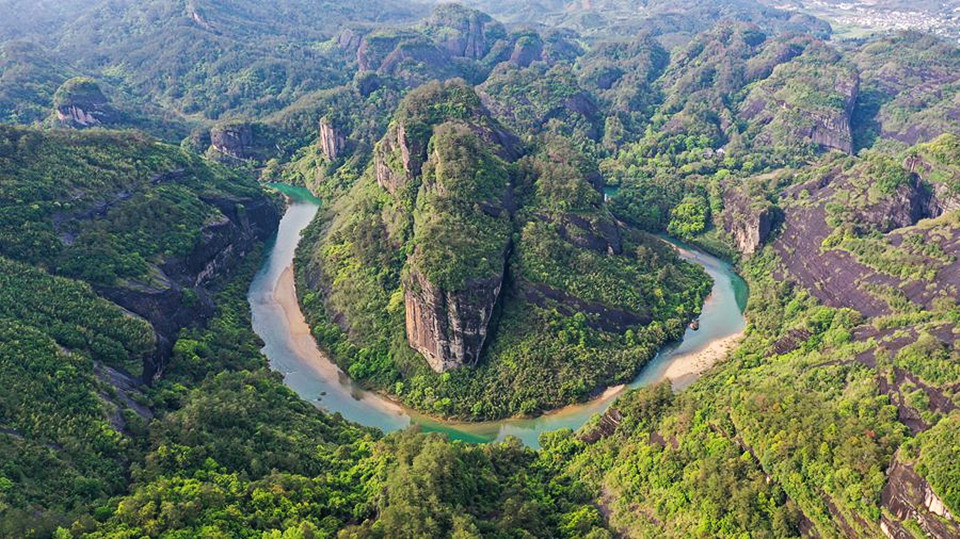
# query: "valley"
[[291, 350], [554, 268]]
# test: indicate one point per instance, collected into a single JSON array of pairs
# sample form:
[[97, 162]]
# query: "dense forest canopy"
[[495, 182]]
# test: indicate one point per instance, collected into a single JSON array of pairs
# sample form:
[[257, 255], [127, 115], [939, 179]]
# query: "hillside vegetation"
[[495, 181]]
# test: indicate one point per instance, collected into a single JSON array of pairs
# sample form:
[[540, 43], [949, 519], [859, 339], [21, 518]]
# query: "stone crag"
[[449, 328], [79, 103], [179, 294], [332, 142], [237, 142], [747, 221], [908, 497]]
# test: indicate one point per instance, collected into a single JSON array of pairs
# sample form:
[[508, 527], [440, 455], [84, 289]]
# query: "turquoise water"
[[293, 352]]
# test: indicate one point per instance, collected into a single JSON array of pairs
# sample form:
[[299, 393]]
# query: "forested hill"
[[495, 187], [198, 60]]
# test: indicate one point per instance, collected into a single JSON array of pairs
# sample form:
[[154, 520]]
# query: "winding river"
[[289, 346]]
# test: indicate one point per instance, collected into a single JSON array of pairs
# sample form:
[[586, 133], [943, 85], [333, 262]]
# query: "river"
[[291, 349]]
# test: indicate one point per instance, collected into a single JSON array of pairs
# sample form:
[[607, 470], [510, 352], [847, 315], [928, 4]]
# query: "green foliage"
[[63, 440], [908, 88], [930, 359], [938, 460], [541, 98], [887, 173], [29, 77], [104, 206], [795, 429], [542, 354], [689, 218], [71, 314], [456, 243]]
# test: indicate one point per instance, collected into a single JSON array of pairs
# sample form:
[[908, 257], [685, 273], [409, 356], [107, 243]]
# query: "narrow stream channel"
[[292, 351]]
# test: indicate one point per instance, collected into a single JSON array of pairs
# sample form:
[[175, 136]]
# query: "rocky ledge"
[[178, 294]]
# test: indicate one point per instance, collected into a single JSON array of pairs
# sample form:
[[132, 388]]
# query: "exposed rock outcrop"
[[449, 328], [398, 158], [598, 234], [599, 316], [906, 205], [908, 497], [80, 103], [374, 48], [609, 422], [464, 32], [462, 237], [781, 107], [178, 295], [747, 221], [526, 50], [333, 143], [400, 155], [450, 43], [233, 140], [240, 141], [942, 198], [349, 39]]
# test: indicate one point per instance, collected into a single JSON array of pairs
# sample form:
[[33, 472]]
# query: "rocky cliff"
[[399, 157], [526, 50], [453, 42], [178, 294], [942, 197], [593, 232], [447, 327], [332, 141], [80, 103], [747, 221], [462, 235], [240, 141], [909, 499], [463, 32], [808, 100]]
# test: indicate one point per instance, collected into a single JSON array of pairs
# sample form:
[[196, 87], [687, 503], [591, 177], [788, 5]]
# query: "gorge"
[[291, 348]]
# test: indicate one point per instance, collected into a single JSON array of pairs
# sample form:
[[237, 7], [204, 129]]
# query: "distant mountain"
[[676, 20], [201, 58]]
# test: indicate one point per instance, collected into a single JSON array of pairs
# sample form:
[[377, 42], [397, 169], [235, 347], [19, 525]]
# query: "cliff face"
[[748, 222], [449, 327], [526, 51], [179, 295], [332, 142], [908, 497], [941, 198], [464, 33], [832, 130], [599, 234], [462, 235], [240, 141], [906, 205], [786, 115], [453, 42], [234, 140], [398, 158], [80, 103], [450, 183]]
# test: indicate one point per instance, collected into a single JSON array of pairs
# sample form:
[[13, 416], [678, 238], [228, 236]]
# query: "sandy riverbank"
[[306, 347], [696, 363], [685, 367]]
